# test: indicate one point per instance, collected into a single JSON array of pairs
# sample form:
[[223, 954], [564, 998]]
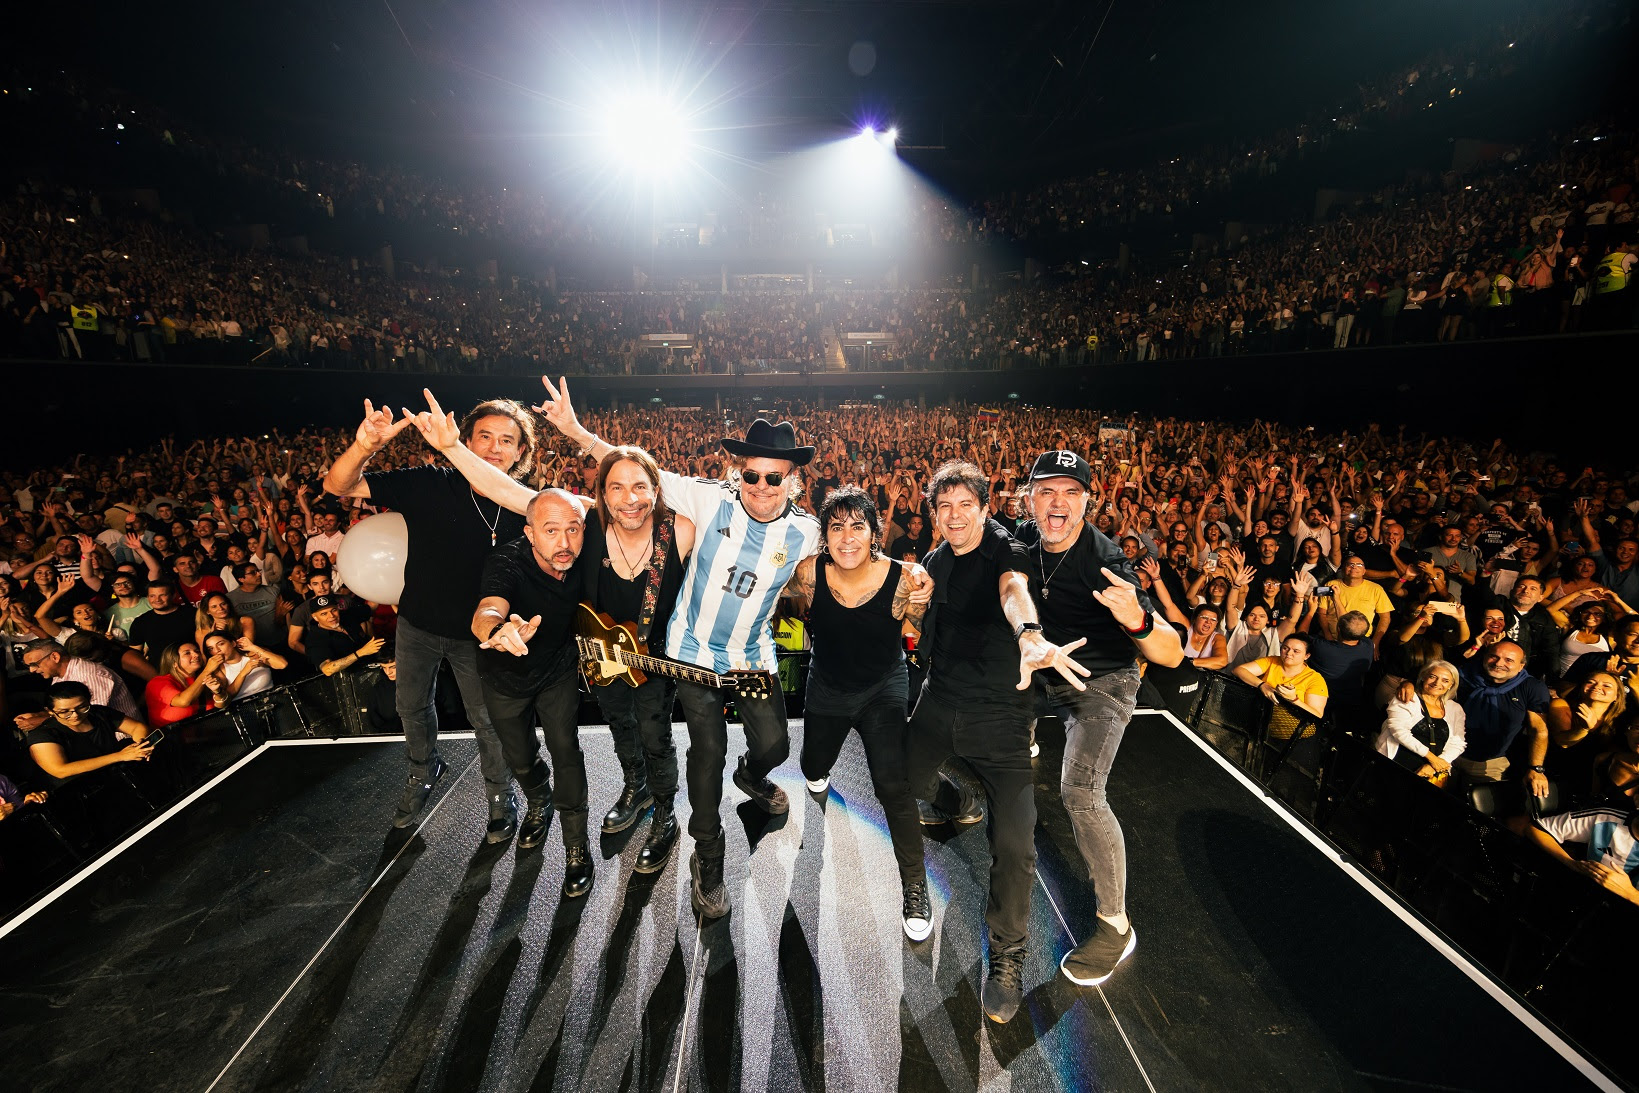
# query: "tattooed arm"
[[801, 585], [910, 598]]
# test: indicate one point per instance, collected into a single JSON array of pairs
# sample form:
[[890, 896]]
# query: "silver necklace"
[[621, 547], [1041, 558], [488, 523]]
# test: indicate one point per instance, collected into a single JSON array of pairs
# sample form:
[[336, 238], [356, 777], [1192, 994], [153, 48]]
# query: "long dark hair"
[[651, 469]]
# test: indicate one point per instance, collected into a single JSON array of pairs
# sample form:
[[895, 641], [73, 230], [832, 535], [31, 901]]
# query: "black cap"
[[322, 602], [1062, 464]]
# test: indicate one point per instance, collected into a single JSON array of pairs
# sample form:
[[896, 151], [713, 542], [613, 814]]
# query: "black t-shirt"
[[1380, 559], [449, 528], [100, 739], [512, 573], [1068, 610], [975, 659], [622, 600], [155, 632], [323, 645]]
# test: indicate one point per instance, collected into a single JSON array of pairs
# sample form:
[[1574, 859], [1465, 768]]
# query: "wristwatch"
[[1540, 770], [1025, 627]]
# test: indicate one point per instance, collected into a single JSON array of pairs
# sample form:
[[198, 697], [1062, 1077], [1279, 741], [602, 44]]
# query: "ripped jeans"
[[1094, 722]]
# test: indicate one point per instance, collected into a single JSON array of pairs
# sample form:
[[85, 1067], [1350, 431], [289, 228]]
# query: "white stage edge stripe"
[[340, 926], [130, 840], [1503, 996], [1131, 1050]]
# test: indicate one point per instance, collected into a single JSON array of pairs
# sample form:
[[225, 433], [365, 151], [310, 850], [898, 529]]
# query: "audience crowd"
[[1474, 601]]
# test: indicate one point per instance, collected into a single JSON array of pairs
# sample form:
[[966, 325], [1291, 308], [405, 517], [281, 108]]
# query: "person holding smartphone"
[[79, 736]]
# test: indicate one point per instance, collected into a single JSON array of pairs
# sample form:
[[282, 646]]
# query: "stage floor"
[[276, 934]]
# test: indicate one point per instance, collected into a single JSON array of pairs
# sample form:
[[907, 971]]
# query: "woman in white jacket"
[[1427, 732]]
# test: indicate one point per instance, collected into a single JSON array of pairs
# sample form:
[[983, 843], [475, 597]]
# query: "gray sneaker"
[[1095, 960]]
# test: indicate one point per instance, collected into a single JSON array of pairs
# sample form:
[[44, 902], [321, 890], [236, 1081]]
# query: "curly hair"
[[954, 473], [528, 439]]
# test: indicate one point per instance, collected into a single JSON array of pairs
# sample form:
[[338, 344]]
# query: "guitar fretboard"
[[670, 668]]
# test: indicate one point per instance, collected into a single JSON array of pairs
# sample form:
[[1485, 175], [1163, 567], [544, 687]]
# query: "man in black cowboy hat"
[[749, 538]]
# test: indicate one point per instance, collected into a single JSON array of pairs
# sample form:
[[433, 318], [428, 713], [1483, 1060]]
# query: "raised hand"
[[438, 428], [378, 427], [65, 582], [133, 541], [371, 647], [557, 408], [1121, 597]]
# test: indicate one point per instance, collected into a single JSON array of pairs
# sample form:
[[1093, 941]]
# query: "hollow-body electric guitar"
[[609, 650]]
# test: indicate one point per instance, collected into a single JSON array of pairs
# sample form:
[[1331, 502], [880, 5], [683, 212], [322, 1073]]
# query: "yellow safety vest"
[[85, 318], [1611, 277]]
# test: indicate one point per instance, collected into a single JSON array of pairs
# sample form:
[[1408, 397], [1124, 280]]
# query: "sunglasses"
[[751, 478]]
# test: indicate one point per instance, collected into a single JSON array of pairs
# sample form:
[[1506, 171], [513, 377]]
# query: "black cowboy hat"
[[771, 442]]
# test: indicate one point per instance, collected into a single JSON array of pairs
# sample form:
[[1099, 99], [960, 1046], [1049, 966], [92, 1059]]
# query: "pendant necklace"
[[1047, 578], [630, 567], [488, 523]]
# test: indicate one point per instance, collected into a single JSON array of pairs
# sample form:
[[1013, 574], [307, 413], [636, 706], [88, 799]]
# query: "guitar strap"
[[657, 573]]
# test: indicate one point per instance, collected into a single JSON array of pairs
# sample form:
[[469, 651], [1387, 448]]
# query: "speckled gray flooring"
[[279, 936]]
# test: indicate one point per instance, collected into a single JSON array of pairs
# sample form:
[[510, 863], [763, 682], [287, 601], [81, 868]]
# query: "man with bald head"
[[526, 660]]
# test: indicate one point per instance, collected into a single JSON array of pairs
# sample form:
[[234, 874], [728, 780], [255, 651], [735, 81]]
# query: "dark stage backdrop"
[[1571, 395]]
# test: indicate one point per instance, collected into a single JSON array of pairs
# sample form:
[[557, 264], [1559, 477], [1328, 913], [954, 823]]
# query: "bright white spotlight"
[[645, 133], [869, 132], [892, 136]]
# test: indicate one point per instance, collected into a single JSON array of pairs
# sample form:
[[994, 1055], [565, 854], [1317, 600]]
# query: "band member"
[[859, 601], [750, 537], [982, 644], [634, 571], [525, 623], [451, 531], [638, 533], [1087, 593]]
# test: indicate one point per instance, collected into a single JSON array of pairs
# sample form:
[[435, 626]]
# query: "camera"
[[1325, 590]]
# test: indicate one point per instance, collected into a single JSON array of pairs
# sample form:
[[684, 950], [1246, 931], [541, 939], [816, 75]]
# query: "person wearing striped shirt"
[[749, 539], [1608, 835]]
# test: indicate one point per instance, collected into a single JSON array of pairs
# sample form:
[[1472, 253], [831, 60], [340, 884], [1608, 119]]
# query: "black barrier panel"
[[1547, 932]]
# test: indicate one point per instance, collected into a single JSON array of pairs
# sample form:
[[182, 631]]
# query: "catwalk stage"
[[273, 933]]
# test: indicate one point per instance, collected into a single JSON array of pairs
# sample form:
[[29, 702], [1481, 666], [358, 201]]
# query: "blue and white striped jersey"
[[1605, 830], [734, 577]]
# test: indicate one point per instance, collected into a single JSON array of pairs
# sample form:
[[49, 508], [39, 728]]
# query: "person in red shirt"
[[179, 691], [194, 587]]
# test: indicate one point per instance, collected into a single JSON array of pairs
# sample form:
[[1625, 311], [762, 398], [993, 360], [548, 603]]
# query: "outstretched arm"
[[561, 413], [441, 431], [1035, 651]]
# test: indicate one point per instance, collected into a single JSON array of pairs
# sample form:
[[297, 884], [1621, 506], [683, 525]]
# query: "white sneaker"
[[819, 785]]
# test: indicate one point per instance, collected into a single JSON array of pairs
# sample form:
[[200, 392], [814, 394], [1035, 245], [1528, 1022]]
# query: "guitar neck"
[[673, 669]]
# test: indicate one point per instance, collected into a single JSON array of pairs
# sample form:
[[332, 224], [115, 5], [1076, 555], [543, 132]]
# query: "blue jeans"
[[419, 654], [1094, 722]]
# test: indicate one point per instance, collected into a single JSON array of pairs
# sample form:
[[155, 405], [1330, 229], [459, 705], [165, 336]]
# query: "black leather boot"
[[503, 817], [662, 837], [577, 870], [629, 808], [537, 819]]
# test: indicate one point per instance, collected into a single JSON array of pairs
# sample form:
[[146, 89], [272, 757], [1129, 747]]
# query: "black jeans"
[[881, 727], [995, 742], [419, 653], [554, 706], [640, 721], [1094, 722], [768, 743]]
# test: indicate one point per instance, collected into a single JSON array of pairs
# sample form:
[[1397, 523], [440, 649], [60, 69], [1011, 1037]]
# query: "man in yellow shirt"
[[1353, 592]]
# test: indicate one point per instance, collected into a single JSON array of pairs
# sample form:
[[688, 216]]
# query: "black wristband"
[[1024, 628], [491, 635]]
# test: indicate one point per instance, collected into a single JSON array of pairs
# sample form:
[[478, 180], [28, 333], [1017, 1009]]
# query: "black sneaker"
[[416, 792], [537, 819], [1004, 987], [628, 809], [1095, 960], [577, 871], [918, 911], [769, 797], [708, 894], [968, 811], [662, 837], [503, 818]]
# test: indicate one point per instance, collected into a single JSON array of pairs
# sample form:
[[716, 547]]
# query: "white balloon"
[[371, 559]]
